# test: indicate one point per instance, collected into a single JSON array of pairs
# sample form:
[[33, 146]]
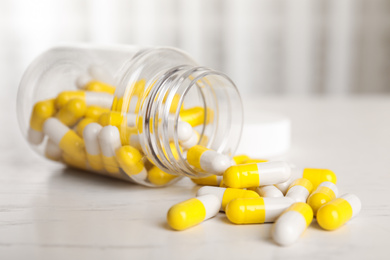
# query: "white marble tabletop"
[[50, 212]]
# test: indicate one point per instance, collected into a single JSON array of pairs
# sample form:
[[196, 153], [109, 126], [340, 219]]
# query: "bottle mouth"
[[180, 91]]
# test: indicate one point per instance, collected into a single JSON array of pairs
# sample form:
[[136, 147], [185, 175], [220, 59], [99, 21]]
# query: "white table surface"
[[50, 212]]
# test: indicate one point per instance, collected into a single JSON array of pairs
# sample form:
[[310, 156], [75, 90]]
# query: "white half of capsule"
[[192, 141], [109, 140], [34, 137], [135, 142], [217, 191], [90, 134], [133, 104], [354, 201], [141, 176], [82, 80], [288, 228], [215, 163], [269, 191], [298, 193], [184, 130], [52, 150], [273, 172], [331, 186], [211, 204], [283, 187], [275, 206], [55, 129], [131, 119], [101, 74], [100, 99]]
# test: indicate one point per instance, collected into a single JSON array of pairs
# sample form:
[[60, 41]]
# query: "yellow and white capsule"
[[324, 193], [65, 138], [225, 195], [92, 147], [90, 98], [337, 212], [292, 223], [94, 112], [315, 176], [158, 177], [256, 174], [256, 210], [130, 160], [41, 111], [269, 191], [71, 112], [212, 180], [109, 142], [82, 124], [208, 160], [192, 212], [299, 190], [52, 151]]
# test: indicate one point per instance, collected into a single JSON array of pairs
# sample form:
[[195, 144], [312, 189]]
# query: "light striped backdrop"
[[302, 47]]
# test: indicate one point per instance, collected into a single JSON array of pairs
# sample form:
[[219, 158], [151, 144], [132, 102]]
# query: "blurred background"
[[268, 47]]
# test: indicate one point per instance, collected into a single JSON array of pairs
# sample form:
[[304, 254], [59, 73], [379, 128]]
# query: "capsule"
[[212, 180], [42, 110], [196, 116], [91, 98], [109, 141], [71, 112], [192, 141], [94, 112], [269, 191], [337, 212], [184, 130], [65, 138], [240, 159], [324, 193], [130, 160], [111, 118], [256, 210], [82, 124], [158, 177], [255, 161], [256, 174], [52, 151], [299, 190], [208, 160], [92, 147], [192, 212], [98, 86], [292, 223], [225, 195]]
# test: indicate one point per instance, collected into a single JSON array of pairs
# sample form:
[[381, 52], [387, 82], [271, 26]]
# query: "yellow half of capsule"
[[129, 159], [242, 176], [317, 176], [99, 86], [95, 161], [159, 177], [94, 112], [246, 211], [302, 182], [231, 194], [194, 154], [65, 96], [111, 118], [74, 162], [211, 180], [255, 161], [72, 144], [196, 116], [304, 209], [334, 214], [110, 164], [186, 214], [41, 111], [239, 159], [319, 197]]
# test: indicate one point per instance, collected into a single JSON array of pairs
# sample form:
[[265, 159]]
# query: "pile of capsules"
[[257, 191]]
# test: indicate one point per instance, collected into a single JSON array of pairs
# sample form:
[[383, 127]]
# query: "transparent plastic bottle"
[[144, 94]]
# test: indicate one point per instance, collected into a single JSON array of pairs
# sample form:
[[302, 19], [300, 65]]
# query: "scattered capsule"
[[256, 174], [52, 151], [94, 112], [269, 191], [208, 160], [299, 190], [196, 116], [41, 111], [256, 210], [92, 147], [212, 180], [192, 212], [240, 159], [71, 112], [65, 138], [292, 223], [82, 124], [324, 193], [98, 86], [91, 98], [158, 177], [337, 212], [130, 160], [225, 195], [109, 141], [192, 141]]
